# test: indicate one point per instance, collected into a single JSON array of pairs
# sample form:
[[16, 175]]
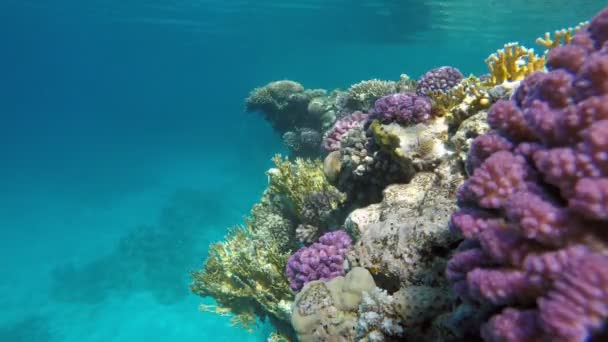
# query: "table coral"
[[534, 212]]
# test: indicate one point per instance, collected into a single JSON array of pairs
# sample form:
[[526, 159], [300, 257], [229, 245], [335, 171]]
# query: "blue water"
[[125, 150]]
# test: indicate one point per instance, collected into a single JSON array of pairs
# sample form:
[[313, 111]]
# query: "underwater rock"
[[404, 240], [327, 311], [468, 130]]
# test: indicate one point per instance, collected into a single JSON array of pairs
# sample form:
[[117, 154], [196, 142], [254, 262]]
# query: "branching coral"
[[290, 183], [559, 37], [513, 63], [245, 276], [534, 213], [459, 102]]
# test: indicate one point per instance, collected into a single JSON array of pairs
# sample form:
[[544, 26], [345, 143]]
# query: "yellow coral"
[[245, 276], [560, 37], [470, 93], [387, 141], [513, 63], [291, 182]]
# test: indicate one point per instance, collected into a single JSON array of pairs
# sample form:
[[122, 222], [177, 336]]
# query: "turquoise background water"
[[125, 150]]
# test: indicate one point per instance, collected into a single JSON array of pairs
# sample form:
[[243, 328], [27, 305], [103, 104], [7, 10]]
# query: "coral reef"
[[533, 213], [327, 311], [320, 208], [401, 239], [244, 275], [290, 183], [333, 137], [363, 95], [512, 63], [403, 108], [559, 37], [440, 79], [323, 260], [285, 105], [303, 142], [364, 169], [400, 316]]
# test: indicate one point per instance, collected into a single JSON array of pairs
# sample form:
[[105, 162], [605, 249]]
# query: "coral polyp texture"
[[333, 137], [361, 96], [403, 108], [534, 213], [439, 79], [323, 260]]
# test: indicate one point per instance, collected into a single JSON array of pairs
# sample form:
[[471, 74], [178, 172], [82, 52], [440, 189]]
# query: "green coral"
[[290, 183], [245, 276]]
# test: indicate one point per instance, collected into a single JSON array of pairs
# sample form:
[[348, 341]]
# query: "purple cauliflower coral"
[[333, 137], [534, 213], [403, 108], [323, 260], [439, 79]]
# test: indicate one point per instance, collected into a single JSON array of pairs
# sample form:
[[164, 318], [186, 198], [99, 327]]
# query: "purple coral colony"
[[514, 167]]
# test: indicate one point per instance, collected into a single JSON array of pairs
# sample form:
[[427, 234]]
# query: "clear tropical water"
[[125, 150]]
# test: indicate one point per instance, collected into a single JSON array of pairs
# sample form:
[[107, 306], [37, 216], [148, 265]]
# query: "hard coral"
[[327, 311], [245, 277], [535, 211], [333, 137], [439, 79], [361, 96], [290, 183], [513, 63], [403, 108], [285, 105], [323, 260]]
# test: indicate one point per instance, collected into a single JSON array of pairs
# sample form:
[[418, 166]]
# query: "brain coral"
[[439, 79], [534, 213]]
